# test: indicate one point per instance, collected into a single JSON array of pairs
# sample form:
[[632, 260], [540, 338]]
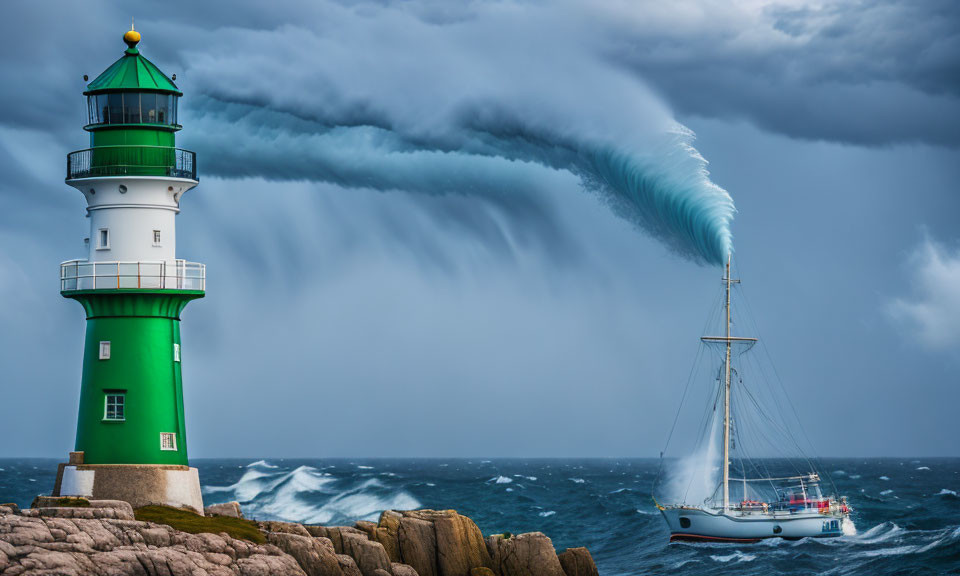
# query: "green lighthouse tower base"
[[131, 439]]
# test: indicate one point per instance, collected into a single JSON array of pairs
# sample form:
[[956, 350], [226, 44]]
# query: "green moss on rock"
[[186, 521]]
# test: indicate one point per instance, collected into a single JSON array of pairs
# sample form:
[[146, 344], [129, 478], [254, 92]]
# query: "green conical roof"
[[132, 72]]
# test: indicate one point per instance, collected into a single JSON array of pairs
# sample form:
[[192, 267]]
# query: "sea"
[[906, 511]]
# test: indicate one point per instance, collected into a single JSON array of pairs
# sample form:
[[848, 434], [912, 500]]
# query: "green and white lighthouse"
[[131, 438]]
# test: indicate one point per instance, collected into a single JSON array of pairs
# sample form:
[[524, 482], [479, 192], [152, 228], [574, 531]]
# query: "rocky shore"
[[72, 537]]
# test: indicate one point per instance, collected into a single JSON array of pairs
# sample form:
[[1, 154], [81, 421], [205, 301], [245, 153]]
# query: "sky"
[[422, 235]]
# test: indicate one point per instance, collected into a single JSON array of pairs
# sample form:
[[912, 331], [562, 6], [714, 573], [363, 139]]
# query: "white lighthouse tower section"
[[132, 219]]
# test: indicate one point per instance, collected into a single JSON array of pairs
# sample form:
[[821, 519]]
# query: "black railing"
[[132, 161]]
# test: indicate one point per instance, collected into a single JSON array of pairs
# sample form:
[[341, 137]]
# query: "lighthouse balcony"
[[132, 161], [144, 275]]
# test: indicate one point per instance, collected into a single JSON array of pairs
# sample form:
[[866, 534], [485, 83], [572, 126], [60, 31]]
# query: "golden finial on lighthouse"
[[132, 37]]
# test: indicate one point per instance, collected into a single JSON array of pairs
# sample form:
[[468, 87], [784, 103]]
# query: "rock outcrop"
[[103, 537], [524, 555], [229, 509], [578, 562]]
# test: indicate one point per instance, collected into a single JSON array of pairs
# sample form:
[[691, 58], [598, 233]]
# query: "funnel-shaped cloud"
[[479, 106]]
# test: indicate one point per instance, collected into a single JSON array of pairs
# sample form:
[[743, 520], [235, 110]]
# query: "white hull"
[[733, 526]]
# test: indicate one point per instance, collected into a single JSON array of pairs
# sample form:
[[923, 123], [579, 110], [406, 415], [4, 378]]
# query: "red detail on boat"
[[699, 538]]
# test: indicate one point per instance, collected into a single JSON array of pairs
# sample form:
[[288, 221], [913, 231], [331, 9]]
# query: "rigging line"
[[785, 431], [779, 380], [750, 424], [776, 427], [741, 442]]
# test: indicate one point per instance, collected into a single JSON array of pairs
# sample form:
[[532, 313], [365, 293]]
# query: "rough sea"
[[906, 511]]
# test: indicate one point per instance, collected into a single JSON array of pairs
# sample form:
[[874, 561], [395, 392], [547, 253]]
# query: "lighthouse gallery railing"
[[132, 161], [158, 275]]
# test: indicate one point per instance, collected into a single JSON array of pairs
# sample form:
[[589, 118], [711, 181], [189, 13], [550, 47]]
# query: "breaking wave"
[[308, 495]]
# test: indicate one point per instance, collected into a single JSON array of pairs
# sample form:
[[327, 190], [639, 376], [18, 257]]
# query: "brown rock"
[[578, 562], [418, 545], [348, 565], [313, 556], [50, 545], [334, 533], [380, 572], [403, 570], [9, 508], [481, 572], [231, 509], [524, 555], [283, 528], [369, 527], [368, 554], [388, 534]]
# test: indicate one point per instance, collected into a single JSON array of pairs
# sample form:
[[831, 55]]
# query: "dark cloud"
[[870, 73]]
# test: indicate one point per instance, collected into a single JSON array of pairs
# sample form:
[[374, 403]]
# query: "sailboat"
[[770, 503]]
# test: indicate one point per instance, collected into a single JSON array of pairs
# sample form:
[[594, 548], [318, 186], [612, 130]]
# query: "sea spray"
[[693, 478]]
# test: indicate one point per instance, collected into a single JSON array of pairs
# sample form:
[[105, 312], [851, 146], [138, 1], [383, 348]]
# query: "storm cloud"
[[410, 247]]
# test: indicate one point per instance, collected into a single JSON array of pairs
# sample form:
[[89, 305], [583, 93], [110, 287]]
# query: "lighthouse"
[[131, 441]]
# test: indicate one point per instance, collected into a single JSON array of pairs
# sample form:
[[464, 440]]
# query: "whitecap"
[[884, 478], [431, 484], [645, 512], [32, 479], [839, 473], [737, 555], [923, 468], [577, 480], [619, 490], [854, 476], [885, 492], [500, 480], [364, 467], [945, 492], [261, 464], [547, 514], [879, 533], [509, 490]]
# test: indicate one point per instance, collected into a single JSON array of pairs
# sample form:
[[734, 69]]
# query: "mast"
[[726, 401]]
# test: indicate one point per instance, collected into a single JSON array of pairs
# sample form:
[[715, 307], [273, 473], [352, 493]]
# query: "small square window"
[[156, 237], [176, 352], [104, 349], [113, 407], [103, 239], [168, 441]]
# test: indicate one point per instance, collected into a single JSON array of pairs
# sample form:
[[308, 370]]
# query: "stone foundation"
[[138, 484]]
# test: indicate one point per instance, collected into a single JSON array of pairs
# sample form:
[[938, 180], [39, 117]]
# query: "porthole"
[[92, 191], [777, 529], [123, 189], [684, 522]]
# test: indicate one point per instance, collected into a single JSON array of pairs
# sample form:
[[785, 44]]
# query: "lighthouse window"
[[132, 108], [113, 408], [104, 349], [156, 237], [168, 441], [115, 102], [103, 239], [176, 352]]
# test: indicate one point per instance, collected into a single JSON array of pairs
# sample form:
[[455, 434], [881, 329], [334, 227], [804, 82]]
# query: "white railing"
[[156, 275]]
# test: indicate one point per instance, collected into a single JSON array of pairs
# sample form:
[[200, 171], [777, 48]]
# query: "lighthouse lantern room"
[[131, 439]]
